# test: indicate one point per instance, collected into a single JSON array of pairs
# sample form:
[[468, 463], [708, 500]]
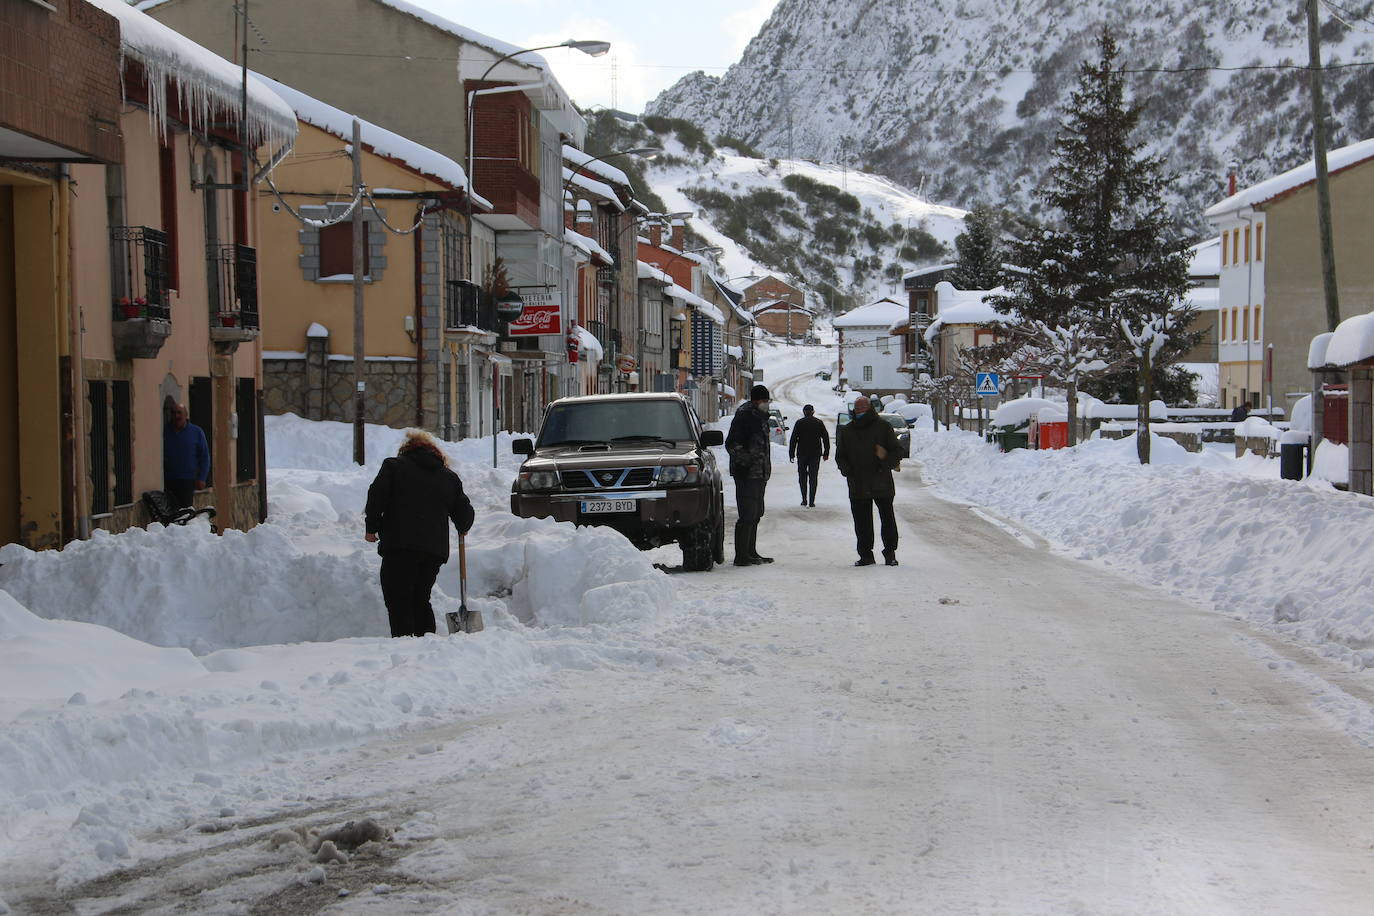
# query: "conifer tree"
[[979, 265], [1110, 269]]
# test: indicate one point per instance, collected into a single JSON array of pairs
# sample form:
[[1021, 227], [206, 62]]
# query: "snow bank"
[[149, 677], [1276, 552]]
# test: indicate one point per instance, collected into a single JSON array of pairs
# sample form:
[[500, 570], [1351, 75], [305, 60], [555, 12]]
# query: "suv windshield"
[[606, 421]]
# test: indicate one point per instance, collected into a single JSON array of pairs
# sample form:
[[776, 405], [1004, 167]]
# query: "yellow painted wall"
[[298, 302], [1295, 309]]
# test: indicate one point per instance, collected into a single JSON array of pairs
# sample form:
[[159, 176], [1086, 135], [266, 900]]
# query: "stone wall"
[[317, 386]]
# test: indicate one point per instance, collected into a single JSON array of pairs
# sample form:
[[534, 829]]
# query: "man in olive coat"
[[751, 465], [867, 452]]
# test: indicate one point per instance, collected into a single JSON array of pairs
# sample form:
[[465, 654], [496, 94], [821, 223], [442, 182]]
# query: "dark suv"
[[638, 463]]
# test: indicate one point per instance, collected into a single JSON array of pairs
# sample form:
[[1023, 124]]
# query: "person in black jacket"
[[409, 507], [809, 446], [751, 465], [867, 453]]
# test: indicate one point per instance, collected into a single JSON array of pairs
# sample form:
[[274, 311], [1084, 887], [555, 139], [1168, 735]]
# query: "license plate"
[[598, 506]]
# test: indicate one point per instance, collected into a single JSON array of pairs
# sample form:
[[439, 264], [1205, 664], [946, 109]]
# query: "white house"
[[870, 355]]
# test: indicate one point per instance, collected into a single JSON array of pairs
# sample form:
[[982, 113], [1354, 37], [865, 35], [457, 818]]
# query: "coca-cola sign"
[[543, 314]]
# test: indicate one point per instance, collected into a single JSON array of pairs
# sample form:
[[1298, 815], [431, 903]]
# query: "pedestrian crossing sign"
[[986, 384]]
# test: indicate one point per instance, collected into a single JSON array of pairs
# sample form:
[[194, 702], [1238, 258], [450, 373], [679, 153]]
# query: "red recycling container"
[[1054, 435]]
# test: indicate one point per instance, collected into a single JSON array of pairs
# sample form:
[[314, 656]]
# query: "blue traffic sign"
[[986, 384]]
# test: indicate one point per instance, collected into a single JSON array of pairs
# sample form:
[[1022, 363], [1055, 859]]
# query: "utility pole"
[[359, 228], [1314, 54]]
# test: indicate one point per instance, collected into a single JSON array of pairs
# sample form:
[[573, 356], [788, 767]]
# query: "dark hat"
[[808, 409], [759, 393]]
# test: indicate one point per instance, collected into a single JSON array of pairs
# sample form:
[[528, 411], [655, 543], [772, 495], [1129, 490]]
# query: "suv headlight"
[[679, 473], [538, 480]]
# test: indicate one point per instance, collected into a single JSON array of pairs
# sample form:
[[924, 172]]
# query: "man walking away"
[[750, 465], [866, 455], [409, 506], [810, 445], [185, 458]]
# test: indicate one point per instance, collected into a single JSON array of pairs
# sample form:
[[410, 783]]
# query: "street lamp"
[[593, 48]]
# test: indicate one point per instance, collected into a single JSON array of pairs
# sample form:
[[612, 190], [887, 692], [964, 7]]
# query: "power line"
[[1210, 68]]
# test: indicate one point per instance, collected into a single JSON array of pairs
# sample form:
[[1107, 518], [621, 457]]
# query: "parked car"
[[640, 463], [902, 428], [823, 374], [777, 432]]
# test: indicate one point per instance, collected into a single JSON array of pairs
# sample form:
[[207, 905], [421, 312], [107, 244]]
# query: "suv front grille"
[[608, 478]]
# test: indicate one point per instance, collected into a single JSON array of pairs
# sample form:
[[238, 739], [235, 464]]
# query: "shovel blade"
[[470, 621], [454, 624]]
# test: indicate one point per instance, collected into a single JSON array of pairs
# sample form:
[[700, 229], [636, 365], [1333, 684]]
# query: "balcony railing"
[[234, 287], [139, 266], [467, 305]]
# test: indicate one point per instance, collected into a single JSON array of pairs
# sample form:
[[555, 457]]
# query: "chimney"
[[656, 235], [1231, 185], [586, 224], [677, 236]]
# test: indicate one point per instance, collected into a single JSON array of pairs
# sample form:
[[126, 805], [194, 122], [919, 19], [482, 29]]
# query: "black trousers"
[[749, 503], [407, 579], [808, 471], [862, 509], [181, 492]]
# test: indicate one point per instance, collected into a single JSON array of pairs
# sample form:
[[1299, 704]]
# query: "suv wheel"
[[697, 549]]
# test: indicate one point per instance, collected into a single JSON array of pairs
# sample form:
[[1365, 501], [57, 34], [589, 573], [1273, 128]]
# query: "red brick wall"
[[59, 75], [773, 288], [498, 174]]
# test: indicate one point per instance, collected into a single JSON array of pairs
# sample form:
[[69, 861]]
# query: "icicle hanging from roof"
[[208, 84]]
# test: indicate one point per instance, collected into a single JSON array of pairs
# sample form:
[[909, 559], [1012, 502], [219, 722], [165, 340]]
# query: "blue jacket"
[[185, 453]]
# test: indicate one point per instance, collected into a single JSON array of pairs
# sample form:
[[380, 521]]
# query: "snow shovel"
[[463, 620]]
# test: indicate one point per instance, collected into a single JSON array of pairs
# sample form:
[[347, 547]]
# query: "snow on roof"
[[383, 142], [1316, 353], [1267, 190], [923, 271], [204, 80], [701, 305], [469, 35], [609, 172], [592, 186], [1352, 341], [1203, 298], [964, 306], [1204, 259], [650, 272], [589, 245], [881, 314]]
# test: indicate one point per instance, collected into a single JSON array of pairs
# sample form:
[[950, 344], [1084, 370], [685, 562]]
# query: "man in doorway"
[[751, 464], [810, 445], [185, 458], [866, 455]]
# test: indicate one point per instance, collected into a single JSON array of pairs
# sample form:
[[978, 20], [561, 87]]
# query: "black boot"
[[865, 560], [890, 557]]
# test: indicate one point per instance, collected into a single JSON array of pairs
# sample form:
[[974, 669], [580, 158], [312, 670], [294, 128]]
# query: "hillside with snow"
[[966, 95], [844, 236]]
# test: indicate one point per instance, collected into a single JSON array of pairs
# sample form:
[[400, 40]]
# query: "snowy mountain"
[[844, 236], [963, 97]]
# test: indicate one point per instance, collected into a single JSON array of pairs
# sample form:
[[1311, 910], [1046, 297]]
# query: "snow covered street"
[[1002, 724]]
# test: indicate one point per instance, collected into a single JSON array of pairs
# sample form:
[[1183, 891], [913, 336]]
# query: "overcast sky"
[[653, 42]]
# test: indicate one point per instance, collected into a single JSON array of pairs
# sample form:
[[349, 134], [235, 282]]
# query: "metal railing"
[[234, 286], [139, 273], [468, 305]]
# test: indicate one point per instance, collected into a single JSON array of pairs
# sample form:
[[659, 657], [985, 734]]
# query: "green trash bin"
[[1010, 437]]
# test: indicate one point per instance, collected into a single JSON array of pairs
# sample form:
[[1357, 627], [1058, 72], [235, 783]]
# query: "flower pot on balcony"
[[228, 319]]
